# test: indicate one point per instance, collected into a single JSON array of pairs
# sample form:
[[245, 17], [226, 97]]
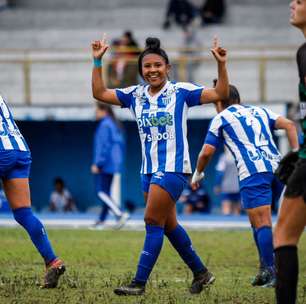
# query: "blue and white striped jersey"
[[247, 132], [10, 136], [162, 124]]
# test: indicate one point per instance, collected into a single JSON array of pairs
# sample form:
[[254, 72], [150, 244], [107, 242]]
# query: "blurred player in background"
[[160, 109], [15, 164], [292, 171], [107, 161], [247, 132], [227, 183]]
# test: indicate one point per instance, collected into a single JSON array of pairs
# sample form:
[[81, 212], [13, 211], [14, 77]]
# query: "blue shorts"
[[174, 183], [259, 190], [103, 182], [233, 197], [15, 164]]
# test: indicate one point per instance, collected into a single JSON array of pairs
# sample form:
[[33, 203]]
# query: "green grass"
[[98, 261]]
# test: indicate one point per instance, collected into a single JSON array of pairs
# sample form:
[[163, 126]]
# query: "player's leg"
[[103, 189], [257, 199], [181, 242], [159, 204], [289, 227], [18, 194]]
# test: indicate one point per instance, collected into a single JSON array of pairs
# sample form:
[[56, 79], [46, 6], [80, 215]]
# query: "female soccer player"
[[15, 164], [247, 132], [292, 170], [160, 109], [107, 160]]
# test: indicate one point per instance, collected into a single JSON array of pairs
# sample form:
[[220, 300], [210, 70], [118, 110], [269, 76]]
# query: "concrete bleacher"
[[73, 24]]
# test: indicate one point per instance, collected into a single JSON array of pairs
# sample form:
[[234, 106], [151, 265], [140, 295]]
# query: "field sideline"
[[97, 261]]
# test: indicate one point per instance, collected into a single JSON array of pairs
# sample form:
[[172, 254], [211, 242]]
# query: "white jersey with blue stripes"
[[10, 136], [162, 124], [247, 132]]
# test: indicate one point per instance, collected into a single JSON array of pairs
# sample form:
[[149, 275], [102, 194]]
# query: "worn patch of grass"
[[98, 261]]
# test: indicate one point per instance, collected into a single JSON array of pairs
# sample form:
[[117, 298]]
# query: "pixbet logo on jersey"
[[154, 121]]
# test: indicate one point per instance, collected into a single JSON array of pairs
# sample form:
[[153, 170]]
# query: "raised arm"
[[291, 132], [221, 91], [99, 90]]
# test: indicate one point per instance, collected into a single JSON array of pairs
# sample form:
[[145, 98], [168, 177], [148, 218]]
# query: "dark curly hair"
[[152, 47]]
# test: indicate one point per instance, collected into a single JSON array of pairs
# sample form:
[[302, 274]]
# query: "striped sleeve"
[[214, 134], [125, 96]]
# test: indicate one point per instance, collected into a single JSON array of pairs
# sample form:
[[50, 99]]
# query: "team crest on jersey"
[[166, 100]]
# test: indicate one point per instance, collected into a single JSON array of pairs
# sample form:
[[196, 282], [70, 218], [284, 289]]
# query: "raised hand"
[[219, 53], [99, 47]]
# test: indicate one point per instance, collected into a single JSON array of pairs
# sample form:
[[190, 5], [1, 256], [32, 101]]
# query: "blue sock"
[[182, 244], [151, 249], [36, 231], [104, 212], [265, 244], [257, 246]]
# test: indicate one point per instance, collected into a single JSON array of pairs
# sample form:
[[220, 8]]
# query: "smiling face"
[[155, 70], [298, 14]]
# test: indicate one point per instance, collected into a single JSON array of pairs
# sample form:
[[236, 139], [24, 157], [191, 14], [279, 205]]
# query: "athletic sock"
[[103, 213], [287, 271], [265, 244], [151, 249], [36, 231], [182, 244], [257, 246]]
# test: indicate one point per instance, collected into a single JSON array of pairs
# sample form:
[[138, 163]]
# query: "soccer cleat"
[[200, 281], [122, 220], [265, 278], [53, 272], [269, 277], [259, 279], [133, 289]]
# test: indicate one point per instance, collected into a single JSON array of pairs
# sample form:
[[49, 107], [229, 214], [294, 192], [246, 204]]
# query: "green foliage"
[[98, 261]]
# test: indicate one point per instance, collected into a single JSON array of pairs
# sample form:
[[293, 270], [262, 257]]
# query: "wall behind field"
[[65, 149]]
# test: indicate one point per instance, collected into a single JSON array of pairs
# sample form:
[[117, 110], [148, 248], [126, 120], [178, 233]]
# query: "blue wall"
[[65, 149]]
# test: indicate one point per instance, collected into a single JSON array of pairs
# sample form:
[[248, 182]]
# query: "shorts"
[[15, 164], [103, 182], [296, 185], [173, 182], [260, 189], [233, 197]]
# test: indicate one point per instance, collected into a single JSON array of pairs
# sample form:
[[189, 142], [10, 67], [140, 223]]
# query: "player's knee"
[[149, 220]]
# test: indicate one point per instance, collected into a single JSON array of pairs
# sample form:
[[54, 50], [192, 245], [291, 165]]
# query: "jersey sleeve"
[[272, 118], [125, 96], [193, 93], [214, 134]]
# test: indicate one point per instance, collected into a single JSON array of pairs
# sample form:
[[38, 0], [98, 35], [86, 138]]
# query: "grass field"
[[98, 261]]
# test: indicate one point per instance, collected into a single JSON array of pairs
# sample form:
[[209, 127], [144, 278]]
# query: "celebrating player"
[[160, 109], [247, 132], [15, 164], [292, 170]]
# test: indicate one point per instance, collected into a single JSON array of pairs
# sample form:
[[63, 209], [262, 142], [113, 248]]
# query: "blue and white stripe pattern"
[[162, 124], [247, 132], [10, 136]]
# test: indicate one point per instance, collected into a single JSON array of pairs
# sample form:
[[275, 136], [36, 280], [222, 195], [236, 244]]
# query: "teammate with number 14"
[[247, 132]]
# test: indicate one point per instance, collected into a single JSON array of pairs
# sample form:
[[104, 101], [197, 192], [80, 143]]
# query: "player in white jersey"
[[15, 164], [247, 132], [160, 109]]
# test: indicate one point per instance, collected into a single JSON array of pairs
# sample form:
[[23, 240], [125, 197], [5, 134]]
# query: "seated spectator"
[[61, 199], [123, 70], [213, 11], [195, 200], [180, 11], [227, 184]]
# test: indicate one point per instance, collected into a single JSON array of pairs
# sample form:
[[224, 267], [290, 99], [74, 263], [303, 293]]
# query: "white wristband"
[[197, 177]]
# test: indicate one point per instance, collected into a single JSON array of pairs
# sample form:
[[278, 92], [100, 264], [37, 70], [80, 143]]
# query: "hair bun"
[[152, 43]]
